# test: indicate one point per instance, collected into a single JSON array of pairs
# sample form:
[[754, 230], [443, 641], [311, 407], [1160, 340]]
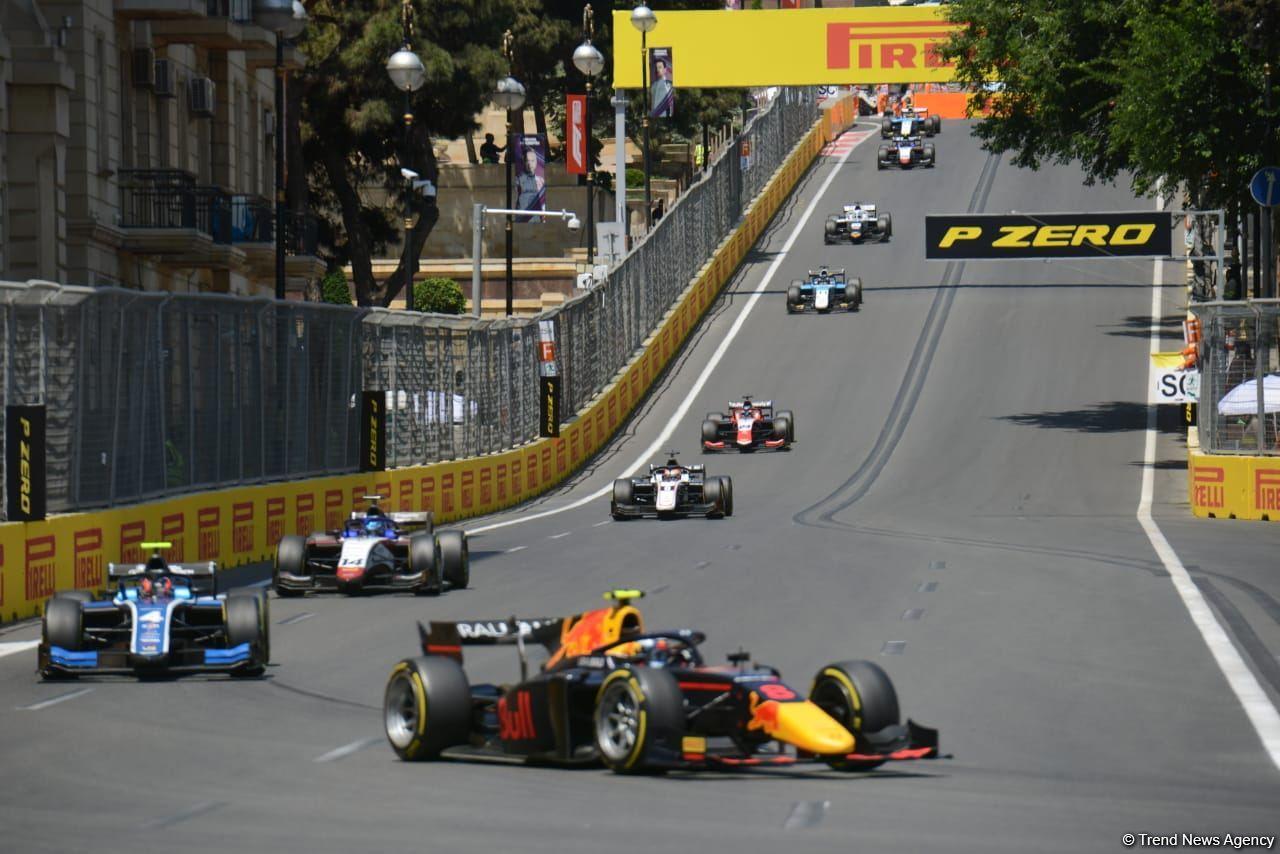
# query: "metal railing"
[[170, 198], [1237, 355], [149, 394], [240, 11]]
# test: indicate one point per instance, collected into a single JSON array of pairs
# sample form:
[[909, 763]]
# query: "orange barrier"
[[242, 525]]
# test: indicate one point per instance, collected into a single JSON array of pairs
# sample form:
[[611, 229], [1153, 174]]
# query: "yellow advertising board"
[[789, 47]]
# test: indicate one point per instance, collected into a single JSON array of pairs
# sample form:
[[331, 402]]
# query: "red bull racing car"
[[374, 550], [613, 692], [750, 424]]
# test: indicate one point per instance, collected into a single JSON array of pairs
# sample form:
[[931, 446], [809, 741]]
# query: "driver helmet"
[[375, 527]]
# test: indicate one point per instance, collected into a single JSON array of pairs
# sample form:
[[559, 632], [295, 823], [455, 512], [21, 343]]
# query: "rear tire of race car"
[[860, 697], [291, 557], [784, 425], [624, 494], [885, 223], [639, 712], [455, 559], [426, 707], [64, 622], [710, 431], [713, 494], [793, 296], [423, 558], [936, 123], [886, 128], [726, 492], [244, 625]]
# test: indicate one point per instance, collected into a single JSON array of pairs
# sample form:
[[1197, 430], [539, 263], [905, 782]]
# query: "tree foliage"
[[333, 288], [438, 294], [1165, 90]]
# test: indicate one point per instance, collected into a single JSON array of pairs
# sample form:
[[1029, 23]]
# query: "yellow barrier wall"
[[243, 524], [1231, 487]]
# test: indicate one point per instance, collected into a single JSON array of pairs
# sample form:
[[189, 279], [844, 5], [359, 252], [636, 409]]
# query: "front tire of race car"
[[713, 494], [793, 297], [788, 428], [426, 707], [929, 155], [829, 230], [423, 558], [860, 697], [264, 617], [936, 123], [885, 224], [639, 720], [245, 625], [853, 294], [64, 622], [291, 558], [710, 431], [455, 559], [726, 493], [624, 494]]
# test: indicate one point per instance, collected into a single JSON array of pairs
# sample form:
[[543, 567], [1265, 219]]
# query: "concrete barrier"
[[242, 525], [1227, 486]]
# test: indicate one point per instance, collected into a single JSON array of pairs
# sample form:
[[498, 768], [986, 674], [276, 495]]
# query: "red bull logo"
[[764, 715], [87, 556], [515, 717]]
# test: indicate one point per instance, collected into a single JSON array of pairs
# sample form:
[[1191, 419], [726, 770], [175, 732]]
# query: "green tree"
[[351, 116], [333, 288], [1167, 90], [441, 295]]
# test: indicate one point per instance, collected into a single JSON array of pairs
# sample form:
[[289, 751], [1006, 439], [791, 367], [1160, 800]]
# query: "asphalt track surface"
[[965, 483]]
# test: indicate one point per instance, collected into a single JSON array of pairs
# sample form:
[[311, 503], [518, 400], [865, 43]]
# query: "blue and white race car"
[[824, 290], [907, 150], [162, 619]]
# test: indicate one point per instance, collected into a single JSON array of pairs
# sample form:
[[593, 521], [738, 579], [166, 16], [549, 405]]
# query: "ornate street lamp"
[[509, 94], [407, 74], [590, 62], [643, 19]]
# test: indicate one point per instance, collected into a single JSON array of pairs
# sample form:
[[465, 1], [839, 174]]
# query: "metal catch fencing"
[[1239, 402], [152, 394]]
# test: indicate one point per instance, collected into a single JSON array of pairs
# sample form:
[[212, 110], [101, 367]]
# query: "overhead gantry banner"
[[790, 47]]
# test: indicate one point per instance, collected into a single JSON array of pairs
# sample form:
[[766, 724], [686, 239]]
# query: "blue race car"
[[912, 121], [163, 619], [824, 290]]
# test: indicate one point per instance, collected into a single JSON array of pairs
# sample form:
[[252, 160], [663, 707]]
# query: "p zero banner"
[[575, 151], [549, 407], [792, 47], [373, 431], [1135, 234], [24, 463]]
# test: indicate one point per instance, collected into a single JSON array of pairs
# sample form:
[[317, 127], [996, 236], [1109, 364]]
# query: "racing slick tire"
[[245, 625], [853, 294], [885, 223], [78, 595], [935, 122], [726, 490], [710, 431], [789, 419], [882, 156], [829, 230], [793, 297], [886, 128], [64, 622], [861, 698], [424, 558], [713, 494], [291, 557], [455, 558], [929, 155], [639, 713], [264, 617], [426, 707], [716, 416], [624, 494]]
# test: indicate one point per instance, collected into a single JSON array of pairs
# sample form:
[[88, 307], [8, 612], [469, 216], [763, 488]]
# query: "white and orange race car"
[[750, 424]]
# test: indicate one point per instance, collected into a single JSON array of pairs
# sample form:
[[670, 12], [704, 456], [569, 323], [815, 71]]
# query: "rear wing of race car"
[[202, 576], [759, 404], [448, 638], [408, 520]]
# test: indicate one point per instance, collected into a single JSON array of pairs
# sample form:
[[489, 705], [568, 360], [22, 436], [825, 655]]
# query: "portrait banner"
[[662, 87], [531, 175]]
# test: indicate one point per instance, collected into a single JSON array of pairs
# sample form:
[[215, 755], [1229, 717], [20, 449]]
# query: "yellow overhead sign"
[[790, 47]]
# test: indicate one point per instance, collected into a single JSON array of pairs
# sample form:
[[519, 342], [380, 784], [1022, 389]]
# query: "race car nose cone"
[[350, 573], [810, 729]]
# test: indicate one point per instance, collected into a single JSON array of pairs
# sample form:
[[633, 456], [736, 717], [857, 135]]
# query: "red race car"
[[750, 424]]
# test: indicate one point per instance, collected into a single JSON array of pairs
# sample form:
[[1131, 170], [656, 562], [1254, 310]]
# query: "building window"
[[104, 135], [126, 113]]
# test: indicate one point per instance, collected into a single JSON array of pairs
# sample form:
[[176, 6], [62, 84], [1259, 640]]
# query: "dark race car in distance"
[[672, 490], [912, 121], [162, 619], [374, 551], [750, 424], [856, 223], [824, 290], [638, 701]]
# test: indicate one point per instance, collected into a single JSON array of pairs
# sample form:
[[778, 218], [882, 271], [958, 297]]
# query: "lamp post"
[[478, 213], [407, 74], [643, 19], [287, 19], [509, 94], [590, 62]]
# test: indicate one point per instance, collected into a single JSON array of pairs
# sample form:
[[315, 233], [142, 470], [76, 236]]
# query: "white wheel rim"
[[401, 711]]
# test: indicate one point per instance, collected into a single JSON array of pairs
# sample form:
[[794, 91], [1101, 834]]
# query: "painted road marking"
[[558, 536], [12, 647], [805, 814], [893, 648], [937, 564], [599, 524], [1262, 714], [191, 812], [53, 701], [296, 618], [692, 395], [927, 587], [348, 749], [515, 549], [913, 613]]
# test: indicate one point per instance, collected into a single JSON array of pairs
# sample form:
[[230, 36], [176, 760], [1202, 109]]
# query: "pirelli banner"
[[791, 47], [1137, 234]]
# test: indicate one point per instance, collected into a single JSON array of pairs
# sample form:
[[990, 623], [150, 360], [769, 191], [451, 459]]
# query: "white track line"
[[558, 536], [11, 647], [661, 442], [53, 701], [348, 749], [1262, 714]]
